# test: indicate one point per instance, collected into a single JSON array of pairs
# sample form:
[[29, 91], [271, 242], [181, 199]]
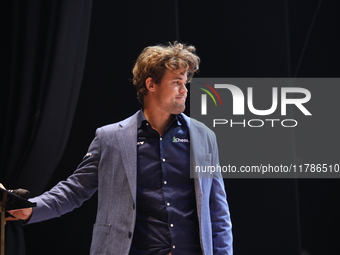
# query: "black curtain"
[[43, 51]]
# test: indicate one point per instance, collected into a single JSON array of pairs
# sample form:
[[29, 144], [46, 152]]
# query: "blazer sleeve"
[[71, 193], [220, 219]]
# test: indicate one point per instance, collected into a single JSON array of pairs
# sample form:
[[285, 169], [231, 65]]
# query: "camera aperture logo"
[[281, 99], [204, 97]]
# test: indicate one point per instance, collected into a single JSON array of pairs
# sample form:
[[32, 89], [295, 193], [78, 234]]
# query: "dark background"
[[242, 38]]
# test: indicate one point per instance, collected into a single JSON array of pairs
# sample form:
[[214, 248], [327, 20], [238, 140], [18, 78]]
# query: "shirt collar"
[[141, 118]]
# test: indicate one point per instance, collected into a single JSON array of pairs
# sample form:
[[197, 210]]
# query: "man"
[[147, 202]]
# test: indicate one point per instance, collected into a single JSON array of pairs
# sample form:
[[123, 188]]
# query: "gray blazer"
[[110, 167]]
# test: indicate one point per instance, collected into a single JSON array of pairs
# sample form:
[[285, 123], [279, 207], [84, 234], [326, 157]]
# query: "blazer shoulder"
[[128, 122]]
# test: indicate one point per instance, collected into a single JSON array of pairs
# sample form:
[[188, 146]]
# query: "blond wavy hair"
[[155, 60]]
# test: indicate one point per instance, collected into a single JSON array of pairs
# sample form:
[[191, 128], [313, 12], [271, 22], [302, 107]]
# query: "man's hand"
[[22, 214]]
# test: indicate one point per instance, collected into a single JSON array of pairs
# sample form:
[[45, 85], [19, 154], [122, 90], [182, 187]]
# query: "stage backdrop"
[[235, 39]]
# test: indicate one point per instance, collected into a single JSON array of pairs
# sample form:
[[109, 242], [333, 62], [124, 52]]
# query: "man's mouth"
[[181, 97]]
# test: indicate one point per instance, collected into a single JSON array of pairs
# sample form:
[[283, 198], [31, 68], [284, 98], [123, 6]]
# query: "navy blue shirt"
[[166, 205]]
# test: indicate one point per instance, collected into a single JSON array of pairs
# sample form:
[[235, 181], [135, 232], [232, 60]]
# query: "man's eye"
[[181, 83]]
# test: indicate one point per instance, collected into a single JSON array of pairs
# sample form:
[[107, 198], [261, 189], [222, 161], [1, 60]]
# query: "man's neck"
[[158, 119]]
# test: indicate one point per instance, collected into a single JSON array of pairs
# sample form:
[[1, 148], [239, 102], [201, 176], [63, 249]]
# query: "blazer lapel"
[[195, 150], [127, 141]]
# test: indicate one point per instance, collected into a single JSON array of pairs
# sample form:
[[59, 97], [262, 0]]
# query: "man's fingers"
[[22, 214], [2, 186]]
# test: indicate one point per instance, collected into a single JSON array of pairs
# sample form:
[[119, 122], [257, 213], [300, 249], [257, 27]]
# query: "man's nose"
[[183, 88]]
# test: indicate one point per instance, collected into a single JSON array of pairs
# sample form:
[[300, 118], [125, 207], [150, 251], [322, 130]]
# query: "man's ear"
[[149, 83]]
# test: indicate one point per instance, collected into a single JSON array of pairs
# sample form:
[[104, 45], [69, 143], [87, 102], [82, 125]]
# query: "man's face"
[[171, 93]]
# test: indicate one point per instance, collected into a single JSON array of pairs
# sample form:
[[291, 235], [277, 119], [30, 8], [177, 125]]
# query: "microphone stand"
[[2, 222]]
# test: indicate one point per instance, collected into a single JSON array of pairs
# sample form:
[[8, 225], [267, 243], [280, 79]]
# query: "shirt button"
[[163, 159], [171, 225], [165, 182], [173, 247], [168, 204], [161, 138]]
